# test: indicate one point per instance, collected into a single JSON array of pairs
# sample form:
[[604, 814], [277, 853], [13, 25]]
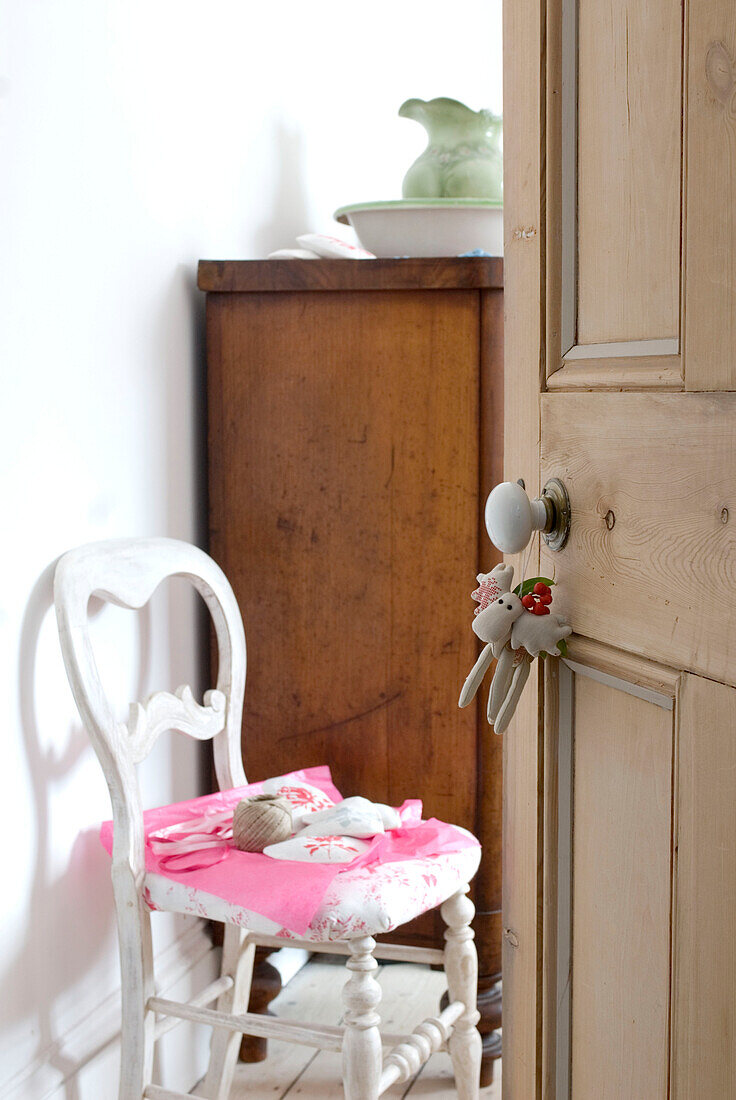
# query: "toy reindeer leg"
[[518, 682], [501, 682], [475, 676]]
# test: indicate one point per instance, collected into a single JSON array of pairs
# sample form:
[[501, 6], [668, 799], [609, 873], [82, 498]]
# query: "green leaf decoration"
[[562, 646], [526, 587]]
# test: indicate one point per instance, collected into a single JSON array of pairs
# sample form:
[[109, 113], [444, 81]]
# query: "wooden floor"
[[410, 993]]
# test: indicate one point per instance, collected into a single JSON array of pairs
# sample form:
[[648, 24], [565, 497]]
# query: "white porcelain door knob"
[[511, 517]]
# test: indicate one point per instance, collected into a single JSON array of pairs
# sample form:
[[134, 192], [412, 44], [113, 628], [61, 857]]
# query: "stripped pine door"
[[620, 766]]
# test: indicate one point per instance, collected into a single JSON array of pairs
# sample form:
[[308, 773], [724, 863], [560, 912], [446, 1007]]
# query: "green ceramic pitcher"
[[463, 158]]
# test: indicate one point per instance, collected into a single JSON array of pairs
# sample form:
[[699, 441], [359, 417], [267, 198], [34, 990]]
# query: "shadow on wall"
[[290, 215], [65, 936], [69, 923]]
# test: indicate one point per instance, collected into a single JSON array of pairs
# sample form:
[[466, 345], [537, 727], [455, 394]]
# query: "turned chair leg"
[[461, 969], [361, 1048], [237, 963], [136, 966]]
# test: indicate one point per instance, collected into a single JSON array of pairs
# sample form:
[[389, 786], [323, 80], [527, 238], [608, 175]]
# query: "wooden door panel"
[[608, 853], [614, 193], [704, 996], [659, 470], [621, 877], [628, 149]]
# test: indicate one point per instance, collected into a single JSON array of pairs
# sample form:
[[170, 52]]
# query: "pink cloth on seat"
[[287, 891]]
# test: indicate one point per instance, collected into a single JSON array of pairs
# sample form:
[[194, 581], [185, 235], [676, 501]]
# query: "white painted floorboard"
[[410, 993]]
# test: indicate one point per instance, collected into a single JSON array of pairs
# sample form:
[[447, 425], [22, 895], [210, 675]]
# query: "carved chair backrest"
[[127, 572]]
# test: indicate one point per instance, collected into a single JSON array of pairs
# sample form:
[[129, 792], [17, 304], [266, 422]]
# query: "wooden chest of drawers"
[[355, 427]]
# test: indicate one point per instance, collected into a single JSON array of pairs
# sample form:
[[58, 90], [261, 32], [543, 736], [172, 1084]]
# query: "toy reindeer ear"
[[492, 585]]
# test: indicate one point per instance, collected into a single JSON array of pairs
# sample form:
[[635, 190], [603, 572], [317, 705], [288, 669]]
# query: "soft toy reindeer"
[[516, 628]]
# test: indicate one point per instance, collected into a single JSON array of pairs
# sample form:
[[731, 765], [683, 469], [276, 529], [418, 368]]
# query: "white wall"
[[135, 137]]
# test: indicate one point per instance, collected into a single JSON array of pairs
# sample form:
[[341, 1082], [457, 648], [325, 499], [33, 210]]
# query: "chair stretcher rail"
[[155, 1092], [414, 1050], [252, 1023], [323, 1036], [206, 997], [393, 952]]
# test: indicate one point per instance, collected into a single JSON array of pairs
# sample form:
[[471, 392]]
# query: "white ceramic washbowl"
[[426, 227]]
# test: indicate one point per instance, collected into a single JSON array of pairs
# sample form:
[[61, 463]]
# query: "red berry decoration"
[[538, 600]]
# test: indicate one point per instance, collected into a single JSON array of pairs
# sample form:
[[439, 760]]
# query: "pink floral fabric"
[[395, 877], [367, 901], [246, 878]]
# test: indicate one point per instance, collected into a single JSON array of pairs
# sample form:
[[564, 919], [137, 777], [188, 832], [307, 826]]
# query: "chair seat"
[[367, 901]]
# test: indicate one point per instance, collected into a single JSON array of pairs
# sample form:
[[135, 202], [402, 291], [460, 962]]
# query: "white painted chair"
[[126, 572]]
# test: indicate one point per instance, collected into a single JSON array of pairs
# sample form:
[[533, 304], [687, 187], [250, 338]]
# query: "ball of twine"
[[261, 820]]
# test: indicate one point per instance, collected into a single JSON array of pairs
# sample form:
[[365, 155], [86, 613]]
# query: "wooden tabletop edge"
[[411, 273]]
